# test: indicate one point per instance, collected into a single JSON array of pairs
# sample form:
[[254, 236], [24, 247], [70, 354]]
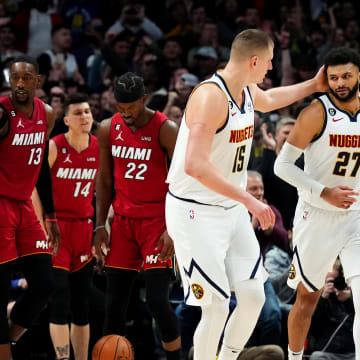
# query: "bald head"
[[248, 43]]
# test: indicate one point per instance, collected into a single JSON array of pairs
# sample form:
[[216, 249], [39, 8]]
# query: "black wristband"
[[44, 184], [5, 117]]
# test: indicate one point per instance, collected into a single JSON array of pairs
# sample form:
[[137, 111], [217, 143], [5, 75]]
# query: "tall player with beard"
[[74, 162], [135, 147], [25, 125], [327, 219]]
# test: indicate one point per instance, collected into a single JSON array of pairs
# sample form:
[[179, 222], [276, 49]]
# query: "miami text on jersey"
[[130, 152], [28, 139], [76, 173]]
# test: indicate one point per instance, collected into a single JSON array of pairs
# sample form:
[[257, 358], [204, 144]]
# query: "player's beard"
[[349, 96], [21, 100]]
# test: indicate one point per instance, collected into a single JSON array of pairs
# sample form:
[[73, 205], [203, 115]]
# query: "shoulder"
[[168, 127], [209, 96], [103, 131], [314, 110], [50, 112]]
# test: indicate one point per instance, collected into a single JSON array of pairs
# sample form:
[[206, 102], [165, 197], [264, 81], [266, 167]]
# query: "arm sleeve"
[[44, 184], [286, 169]]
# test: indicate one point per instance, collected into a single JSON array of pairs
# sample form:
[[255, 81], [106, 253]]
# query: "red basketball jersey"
[[73, 177], [22, 150], [140, 168]]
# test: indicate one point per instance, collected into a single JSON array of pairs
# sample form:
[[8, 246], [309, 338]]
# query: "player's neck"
[[142, 120], [78, 142], [26, 109], [234, 81], [352, 106]]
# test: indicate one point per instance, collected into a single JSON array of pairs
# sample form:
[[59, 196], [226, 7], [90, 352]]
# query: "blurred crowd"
[[83, 45]]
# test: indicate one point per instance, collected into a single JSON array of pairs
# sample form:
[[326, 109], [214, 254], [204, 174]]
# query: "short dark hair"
[[341, 56], [58, 27], [128, 87], [25, 59], [76, 98]]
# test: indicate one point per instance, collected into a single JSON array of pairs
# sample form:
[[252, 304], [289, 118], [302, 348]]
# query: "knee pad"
[[157, 298], [60, 302], [80, 292], [38, 272], [6, 270], [118, 290]]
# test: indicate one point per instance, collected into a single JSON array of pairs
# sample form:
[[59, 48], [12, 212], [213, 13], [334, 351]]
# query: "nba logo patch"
[[64, 150], [305, 215], [117, 127], [192, 214]]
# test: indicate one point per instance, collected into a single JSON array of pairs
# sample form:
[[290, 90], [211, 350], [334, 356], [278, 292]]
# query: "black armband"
[[4, 120], [44, 184]]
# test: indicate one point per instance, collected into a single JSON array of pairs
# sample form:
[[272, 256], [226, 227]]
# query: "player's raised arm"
[[279, 97]]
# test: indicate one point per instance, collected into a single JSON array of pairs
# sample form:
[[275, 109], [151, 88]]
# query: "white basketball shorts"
[[319, 237], [215, 248]]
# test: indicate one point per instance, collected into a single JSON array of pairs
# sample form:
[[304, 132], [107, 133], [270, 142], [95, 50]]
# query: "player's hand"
[[321, 82], [339, 196], [166, 247], [262, 212], [101, 244], [54, 235]]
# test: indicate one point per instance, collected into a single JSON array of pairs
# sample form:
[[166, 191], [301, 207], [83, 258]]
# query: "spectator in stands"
[[330, 335], [58, 62], [133, 22], [280, 194]]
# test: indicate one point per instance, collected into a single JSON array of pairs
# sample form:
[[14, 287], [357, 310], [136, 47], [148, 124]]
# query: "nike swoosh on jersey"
[[336, 120]]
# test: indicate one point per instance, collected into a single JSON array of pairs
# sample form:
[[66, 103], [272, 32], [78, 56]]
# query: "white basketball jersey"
[[230, 151], [333, 157]]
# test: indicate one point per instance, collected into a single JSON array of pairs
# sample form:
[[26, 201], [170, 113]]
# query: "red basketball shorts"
[[133, 242], [75, 249], [20, 230]]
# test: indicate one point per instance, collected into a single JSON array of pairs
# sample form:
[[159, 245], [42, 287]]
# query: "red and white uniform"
[[140, 171], [73, 176], [21, 155]]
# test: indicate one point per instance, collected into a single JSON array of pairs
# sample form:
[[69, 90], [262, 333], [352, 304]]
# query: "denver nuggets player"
[[207, 205], [327, 217]]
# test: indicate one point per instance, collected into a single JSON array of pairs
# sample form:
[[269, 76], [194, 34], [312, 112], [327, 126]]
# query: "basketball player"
[[135, 146], [207, 205], [327, 217], [74, 162], [25, 124]]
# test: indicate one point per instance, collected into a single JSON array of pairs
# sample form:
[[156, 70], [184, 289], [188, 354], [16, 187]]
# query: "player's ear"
[[66, 120], [39, 80], [253, 61]]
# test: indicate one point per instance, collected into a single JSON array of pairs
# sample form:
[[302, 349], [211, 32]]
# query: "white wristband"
[[286, 169], [99, 227]]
